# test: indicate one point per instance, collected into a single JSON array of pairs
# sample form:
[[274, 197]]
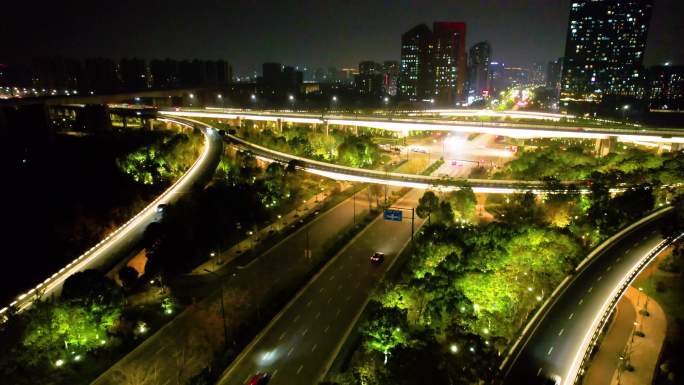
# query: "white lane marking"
[[300, 368], [608, 268], [274, 373], [560, 333], [580, 301], [305, 331], [571, 314], [290, 351], [326, 329], [331, 277], [321, 290], [296, 318], [282, 336], [314, 348], [599, 278], [308, 303], [338, 312], [627, 251], [318, 314], [618, 259], [539, 372], [550, 350], [330, 299], [590, 289]]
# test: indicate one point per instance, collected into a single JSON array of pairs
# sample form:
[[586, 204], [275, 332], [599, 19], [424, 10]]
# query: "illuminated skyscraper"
[[449, 62], [416, 72], [433, 63], [606, 40]]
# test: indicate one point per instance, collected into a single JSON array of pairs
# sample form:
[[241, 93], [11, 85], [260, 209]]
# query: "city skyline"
[[246, 35]]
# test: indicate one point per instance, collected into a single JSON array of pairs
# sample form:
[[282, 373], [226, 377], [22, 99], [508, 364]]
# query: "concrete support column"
[[239, 122], [675, 147], [279, 122], [605, 146], [327, 129]]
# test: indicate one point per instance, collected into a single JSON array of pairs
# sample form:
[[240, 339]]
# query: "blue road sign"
[[392, 215]]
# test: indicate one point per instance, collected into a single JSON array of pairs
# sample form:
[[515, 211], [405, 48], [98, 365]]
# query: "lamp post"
[[625, 108], [223, 311]]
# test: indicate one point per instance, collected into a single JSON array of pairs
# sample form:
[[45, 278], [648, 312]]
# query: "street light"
[[223, 311], [334, 98]]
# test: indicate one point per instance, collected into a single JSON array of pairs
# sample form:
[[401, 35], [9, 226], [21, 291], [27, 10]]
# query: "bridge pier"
[[605, 146], [676, 147]]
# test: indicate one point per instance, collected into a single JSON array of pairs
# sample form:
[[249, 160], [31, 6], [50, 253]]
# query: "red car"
[[259, 379], [377, 257]]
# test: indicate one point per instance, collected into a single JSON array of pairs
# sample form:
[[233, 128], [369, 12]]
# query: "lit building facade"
[[433, 63], [604, 50], [665, 87]]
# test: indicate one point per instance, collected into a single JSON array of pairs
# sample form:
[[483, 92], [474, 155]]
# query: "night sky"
[[297, 32]]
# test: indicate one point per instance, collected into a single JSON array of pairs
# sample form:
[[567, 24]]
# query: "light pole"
[[223, 311], [625, 108]]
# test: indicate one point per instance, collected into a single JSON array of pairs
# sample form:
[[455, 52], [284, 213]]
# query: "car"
[[260, 378], [377, 257], [551, 380], [162, 208]]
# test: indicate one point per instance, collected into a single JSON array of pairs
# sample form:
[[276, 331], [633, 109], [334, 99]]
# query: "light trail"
[[406, 125]]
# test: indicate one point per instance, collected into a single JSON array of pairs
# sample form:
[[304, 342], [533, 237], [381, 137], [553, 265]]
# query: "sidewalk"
[[304, 209], [623, 344], [606, 360]]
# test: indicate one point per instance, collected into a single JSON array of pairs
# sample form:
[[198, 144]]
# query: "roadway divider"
[[534, 321]]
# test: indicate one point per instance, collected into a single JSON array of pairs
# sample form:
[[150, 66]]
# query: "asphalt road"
[[554, 345], [301, 342], [276, 270], [108, 252]]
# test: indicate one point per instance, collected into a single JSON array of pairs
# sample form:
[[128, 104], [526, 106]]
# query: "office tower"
[[449, 62], [478, 68], [416, 81]]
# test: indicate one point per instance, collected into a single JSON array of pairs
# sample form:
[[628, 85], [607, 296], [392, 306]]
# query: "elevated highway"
[[108, 251], [392, 178], [558, 341], [405, 125]]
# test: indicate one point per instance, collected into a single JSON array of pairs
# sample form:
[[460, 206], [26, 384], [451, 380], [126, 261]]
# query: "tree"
[[95, 293], [463, 202], [385, 329], [427, 204], [128, 276]]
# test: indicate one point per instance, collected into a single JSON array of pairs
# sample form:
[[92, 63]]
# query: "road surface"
[[108, 251], [554, 346], [300, 343]]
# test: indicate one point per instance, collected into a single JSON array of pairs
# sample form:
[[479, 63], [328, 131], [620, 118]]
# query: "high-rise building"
[[449, 61], [538, 74], [604, 49], [433, 63], [497, 76], [390, 77], [665, 87], [368, 67], [416, 74], [478, 69], [554, 71]]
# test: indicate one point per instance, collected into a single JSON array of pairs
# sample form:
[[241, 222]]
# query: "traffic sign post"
[[392, 215], [395, 214]]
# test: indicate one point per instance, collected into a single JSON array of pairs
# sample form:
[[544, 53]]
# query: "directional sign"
[[392, 215]]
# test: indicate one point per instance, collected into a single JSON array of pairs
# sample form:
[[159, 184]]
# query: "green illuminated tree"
[[427, 204], [385, 329]]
